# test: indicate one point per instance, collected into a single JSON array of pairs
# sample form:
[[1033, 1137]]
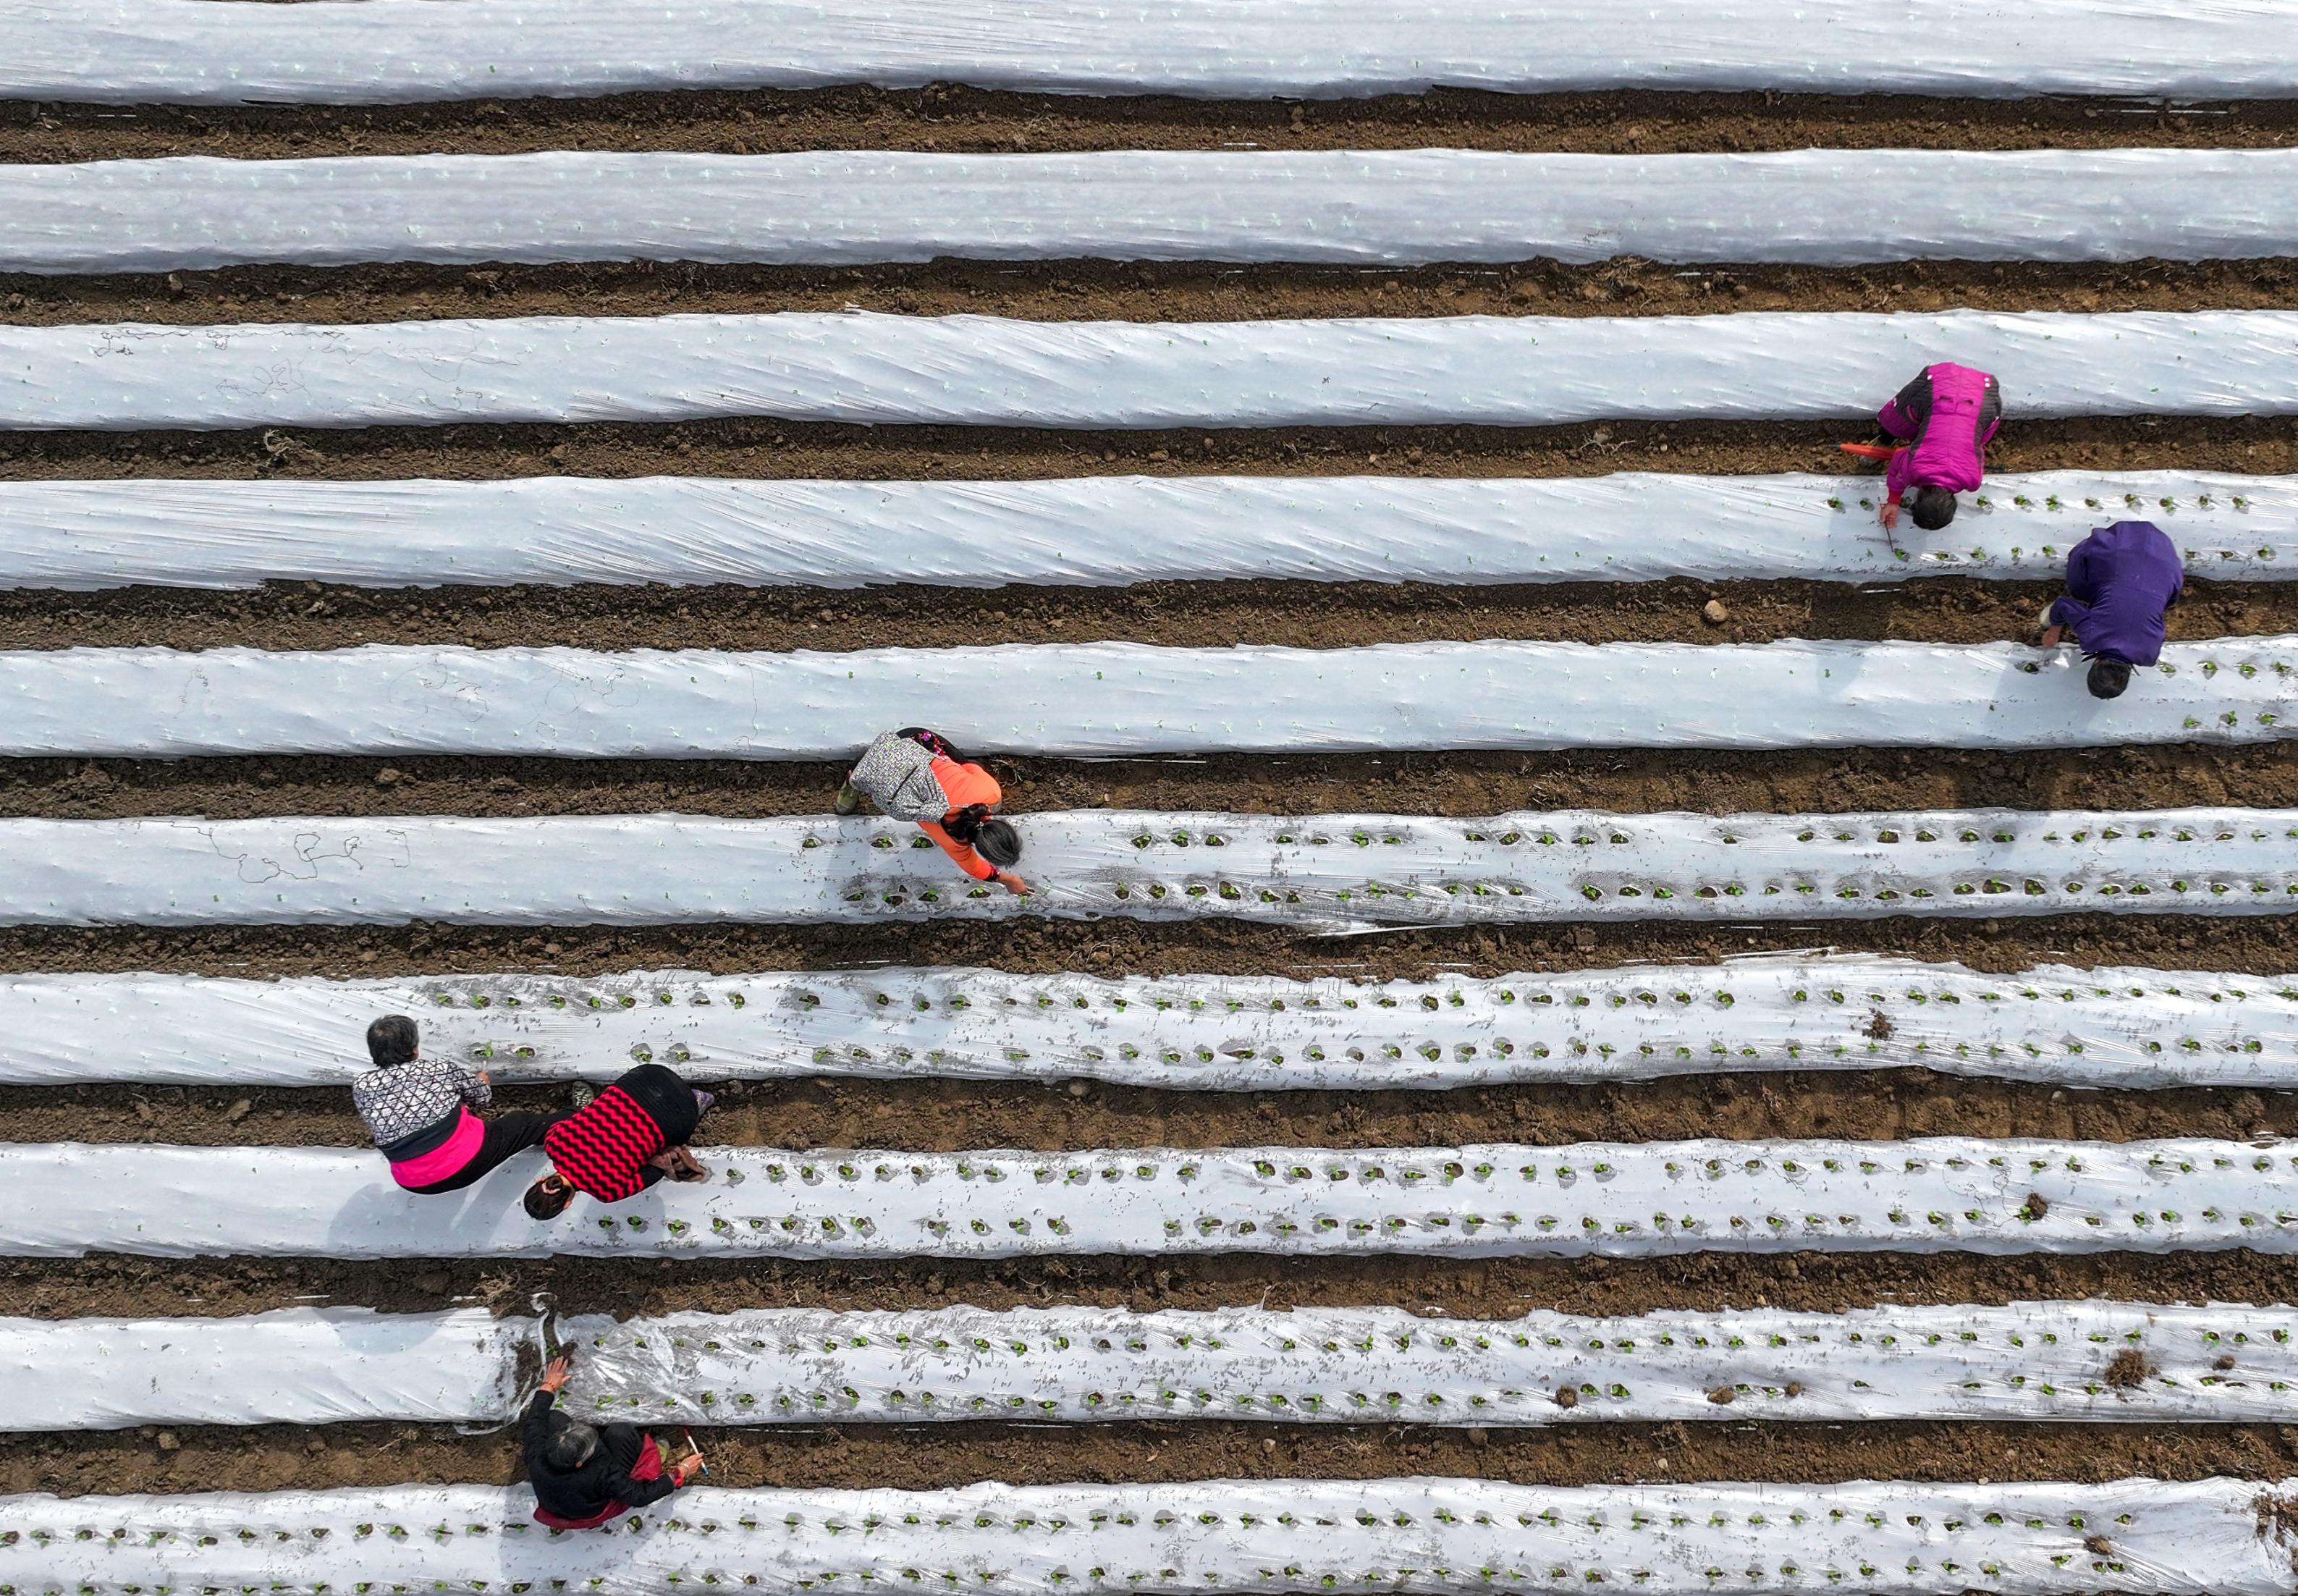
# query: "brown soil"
[[1491, 1288], [765, 448], [1134, 291], [955, 1115], [953, 119], [1837, 780], [284, 1457], [2128, 1369], [1175, 613], [1881, 1104], [2265, 946]]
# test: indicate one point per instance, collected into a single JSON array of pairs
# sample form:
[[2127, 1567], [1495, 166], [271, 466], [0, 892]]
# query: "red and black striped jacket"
[[603, 1148]]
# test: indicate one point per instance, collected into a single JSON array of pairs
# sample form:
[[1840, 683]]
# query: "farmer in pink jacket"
[[1947, 417]]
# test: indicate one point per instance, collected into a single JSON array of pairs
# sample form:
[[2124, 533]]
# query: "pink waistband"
[[461, 1146]]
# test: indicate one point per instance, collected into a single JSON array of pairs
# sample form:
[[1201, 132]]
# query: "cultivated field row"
[[2214, 1536], [132, 52], [977, 371], [2105, 1028], [1380, 208], [1100, 700], [1320, 872], [1609, 1199], [2055, 1362], [1105, 532]]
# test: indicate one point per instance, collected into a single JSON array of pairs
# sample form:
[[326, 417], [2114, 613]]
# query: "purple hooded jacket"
[[1951, 413], [2120, 580]]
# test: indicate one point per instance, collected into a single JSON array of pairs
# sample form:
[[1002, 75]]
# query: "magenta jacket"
[[1950, 412]]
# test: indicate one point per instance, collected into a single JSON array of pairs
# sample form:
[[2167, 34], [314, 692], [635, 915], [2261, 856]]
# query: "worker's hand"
[[554, 1376], [2051, 636], [1889, 514], [686, 1468], [1012, 883], [679, 1164], [485, 1080]]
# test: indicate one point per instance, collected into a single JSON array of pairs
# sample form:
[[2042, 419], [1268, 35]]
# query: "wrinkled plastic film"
[[383, 51], [1346, 207], [2164, 1538], [1327, 872], [1105, 532], [1640, 1199], [295, 1366], [2112, 1362], [1120, 700], [2110, 1027], [968, 370]]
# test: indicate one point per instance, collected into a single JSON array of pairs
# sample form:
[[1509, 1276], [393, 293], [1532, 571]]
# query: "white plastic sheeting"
[[1114, 699], [1333, 872], [297, 1365], [2208, 1537], [1103, 531], [1384, 207], [1614, 1199], [2110, 1027], [2026, 1362], [858, 367], [381, 52]]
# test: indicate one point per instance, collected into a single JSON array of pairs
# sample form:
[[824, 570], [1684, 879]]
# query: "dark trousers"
[[507, 1134]]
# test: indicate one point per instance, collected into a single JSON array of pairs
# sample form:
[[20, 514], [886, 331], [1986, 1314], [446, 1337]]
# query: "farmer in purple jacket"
[[1947, 417], [2120, 580]]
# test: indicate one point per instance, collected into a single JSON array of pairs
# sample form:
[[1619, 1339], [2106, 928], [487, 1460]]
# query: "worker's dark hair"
[[1932, 507], [391, 1040], [571, 1447], [995, 841], [545, 1201], [999, 842], [2108, 678]]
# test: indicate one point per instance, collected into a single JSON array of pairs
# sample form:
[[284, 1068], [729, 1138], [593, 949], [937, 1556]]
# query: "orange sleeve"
[[968, 861]]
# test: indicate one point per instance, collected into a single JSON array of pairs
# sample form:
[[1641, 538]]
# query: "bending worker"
[[1947, 417], [583, 1475], [2119, 581], [419, 1114], [914, 775], [621, 1142]]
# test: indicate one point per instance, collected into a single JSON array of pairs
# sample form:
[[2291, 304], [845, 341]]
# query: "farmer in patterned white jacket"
[[419, 1112], [914, 775]]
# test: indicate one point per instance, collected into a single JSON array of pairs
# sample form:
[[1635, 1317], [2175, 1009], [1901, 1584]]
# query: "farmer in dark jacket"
[[2121, 580], [621, 1142], [584, 1475]]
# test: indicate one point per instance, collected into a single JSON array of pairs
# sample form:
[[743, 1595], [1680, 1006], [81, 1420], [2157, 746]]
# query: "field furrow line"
[[2060, 1362], [2215, 1535], [1395, 207], [1103, 531], [2117, 1028], [1585, 1199], [969, 370], [129, 52]]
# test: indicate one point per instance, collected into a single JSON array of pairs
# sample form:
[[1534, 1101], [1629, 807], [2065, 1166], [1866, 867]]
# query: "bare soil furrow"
[[1831, 781], [955, 1116], [763, 447], [1302, 615], [955, 119], [2265, 946], [925, 1458], [1085, 290], [1493, 1288]]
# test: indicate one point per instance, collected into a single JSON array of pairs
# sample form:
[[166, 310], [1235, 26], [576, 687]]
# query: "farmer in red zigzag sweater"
[[623, 1141]]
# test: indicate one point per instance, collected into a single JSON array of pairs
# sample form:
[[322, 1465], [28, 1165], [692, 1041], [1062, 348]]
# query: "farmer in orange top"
[[914, 775]]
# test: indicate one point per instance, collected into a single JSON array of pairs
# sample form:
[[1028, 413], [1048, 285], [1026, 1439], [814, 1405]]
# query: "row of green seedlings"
[[1721, 998], [1987, 504], [1395, 1403], [2097, 1544], [2032, 1209]]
